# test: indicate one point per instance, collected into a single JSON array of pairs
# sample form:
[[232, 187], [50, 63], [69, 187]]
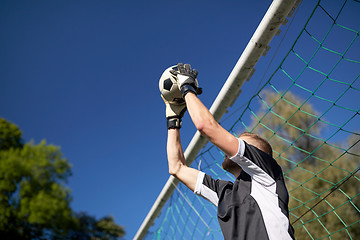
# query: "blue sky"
[[84, 76]]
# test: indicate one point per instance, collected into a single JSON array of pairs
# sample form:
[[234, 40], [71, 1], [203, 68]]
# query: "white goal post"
[[268, 27]]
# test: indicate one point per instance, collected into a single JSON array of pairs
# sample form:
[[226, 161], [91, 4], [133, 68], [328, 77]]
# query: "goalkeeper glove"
[[174, 112], [186, 78]]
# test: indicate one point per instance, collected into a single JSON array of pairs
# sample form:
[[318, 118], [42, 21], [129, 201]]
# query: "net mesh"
[[309, 112]]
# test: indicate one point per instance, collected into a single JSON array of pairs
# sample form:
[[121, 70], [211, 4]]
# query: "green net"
[[309, 112]]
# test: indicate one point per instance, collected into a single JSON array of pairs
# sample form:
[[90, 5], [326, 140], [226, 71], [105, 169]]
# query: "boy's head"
[[257, 141]]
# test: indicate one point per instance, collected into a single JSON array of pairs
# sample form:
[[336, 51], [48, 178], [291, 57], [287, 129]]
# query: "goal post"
[[268, 27]]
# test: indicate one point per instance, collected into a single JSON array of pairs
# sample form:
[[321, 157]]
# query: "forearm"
[[175, 153], [200, 115], [202, 118], [209, 127], [176, 159]]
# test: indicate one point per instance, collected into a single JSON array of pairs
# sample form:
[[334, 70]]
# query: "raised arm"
[[208, 127], [175, 109], [201, 116], [176, 160]]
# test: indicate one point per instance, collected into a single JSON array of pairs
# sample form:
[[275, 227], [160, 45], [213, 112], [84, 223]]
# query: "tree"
[[90, 228], [289, 125], [34, 201], [10, 135], [314, 168]]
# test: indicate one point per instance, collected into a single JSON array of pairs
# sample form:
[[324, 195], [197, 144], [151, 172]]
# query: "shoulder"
[[211, 189], [263, 160], [257, 163], [211, 183]]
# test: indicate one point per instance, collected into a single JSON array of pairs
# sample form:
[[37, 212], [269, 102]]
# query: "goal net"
[[308, 109]]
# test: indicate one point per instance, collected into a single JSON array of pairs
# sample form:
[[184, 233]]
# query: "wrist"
[[186, 88], [174, 123]]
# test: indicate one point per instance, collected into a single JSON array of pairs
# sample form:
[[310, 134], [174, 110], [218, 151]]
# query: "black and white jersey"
[[255, 206]]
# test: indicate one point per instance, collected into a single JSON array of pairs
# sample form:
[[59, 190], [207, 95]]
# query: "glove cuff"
[[173, 123], [187, 88]]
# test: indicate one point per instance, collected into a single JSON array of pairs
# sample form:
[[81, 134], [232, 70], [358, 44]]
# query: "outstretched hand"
[[174, 109], [174, 112], [186, 78]]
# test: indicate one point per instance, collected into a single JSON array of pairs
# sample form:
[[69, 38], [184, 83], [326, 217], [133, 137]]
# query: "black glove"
[[186, 79]]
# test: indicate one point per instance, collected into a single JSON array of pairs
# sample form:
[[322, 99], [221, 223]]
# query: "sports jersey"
[[255, 206]]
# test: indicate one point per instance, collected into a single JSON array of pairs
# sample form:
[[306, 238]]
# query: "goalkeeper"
[[255, 206]]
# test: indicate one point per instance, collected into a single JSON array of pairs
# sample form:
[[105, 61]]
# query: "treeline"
[[34, 199]]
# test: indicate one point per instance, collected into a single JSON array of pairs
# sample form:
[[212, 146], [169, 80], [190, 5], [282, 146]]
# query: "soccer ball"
[[169, 88]]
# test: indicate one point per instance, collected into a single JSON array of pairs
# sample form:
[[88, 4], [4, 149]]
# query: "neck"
[[236, 173]]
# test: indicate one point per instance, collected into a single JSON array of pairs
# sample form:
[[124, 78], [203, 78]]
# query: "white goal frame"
[[268, 27]]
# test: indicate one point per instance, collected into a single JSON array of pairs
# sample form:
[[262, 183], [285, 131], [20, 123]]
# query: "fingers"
[[181, 67], [185, 69], [188, 68]]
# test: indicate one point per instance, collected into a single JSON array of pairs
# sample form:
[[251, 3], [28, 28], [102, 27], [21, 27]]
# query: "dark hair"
[[263, 145]]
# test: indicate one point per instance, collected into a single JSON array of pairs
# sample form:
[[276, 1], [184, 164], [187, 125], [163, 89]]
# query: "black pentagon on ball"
[[168, 84]]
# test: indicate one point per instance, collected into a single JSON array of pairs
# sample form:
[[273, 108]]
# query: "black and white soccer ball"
[[169, 88]]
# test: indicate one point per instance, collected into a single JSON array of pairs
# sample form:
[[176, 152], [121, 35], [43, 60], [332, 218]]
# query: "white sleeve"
[[205, 191], [250, 167]]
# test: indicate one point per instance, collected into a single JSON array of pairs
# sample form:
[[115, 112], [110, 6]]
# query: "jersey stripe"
[[204, 191]]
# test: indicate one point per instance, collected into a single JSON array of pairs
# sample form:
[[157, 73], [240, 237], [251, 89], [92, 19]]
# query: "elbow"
[[200, 125], [174, 170], [205, 126]]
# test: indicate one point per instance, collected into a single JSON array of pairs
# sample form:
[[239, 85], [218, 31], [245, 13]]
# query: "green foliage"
[[289, 125], [34, 201], [321, 205], [32, 189], [108, 228], [10, 135], [87, 227]]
